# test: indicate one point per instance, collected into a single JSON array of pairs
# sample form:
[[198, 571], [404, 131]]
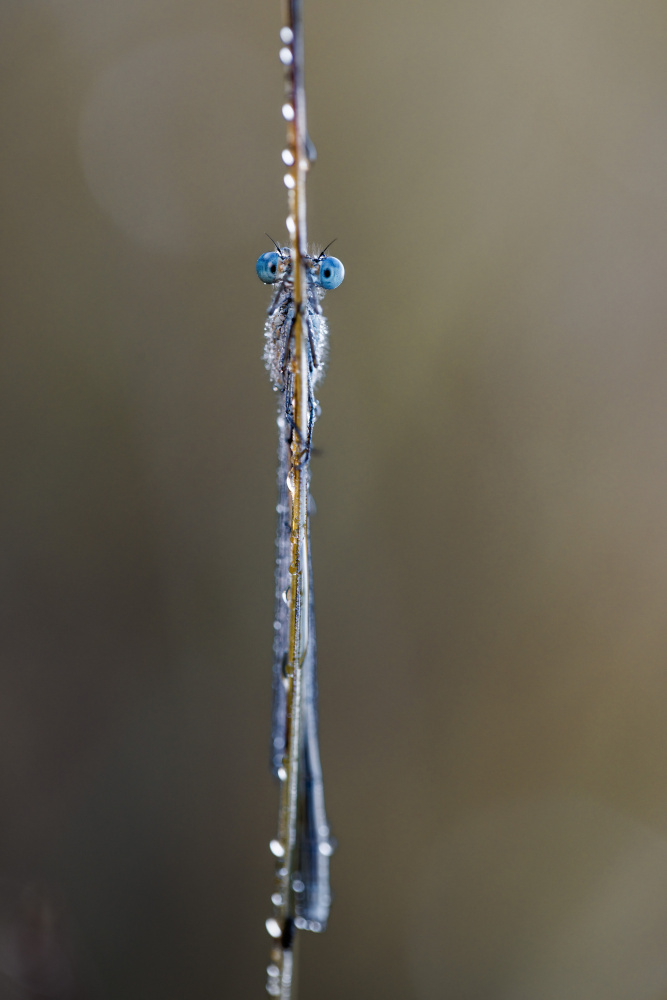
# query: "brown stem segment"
[[282, 926]]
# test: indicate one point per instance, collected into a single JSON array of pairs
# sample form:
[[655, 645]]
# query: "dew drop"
[[273, 988], [286, 35], [289, 181], [277, 625], [298, 885], [315, 925], [326, 849], [290, 482], [285, 56], [282, 872], [287, 157], [272, 971], [276, 899], [279, 742], [288, 112], [287, 595], [282, 775], [291, 225], [301, 923], [273, 927], [277, 849]]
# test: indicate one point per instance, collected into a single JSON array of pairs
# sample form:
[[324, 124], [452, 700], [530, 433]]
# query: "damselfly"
[[310, 893]]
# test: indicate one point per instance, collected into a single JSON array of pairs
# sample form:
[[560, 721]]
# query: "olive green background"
[[490, 545]]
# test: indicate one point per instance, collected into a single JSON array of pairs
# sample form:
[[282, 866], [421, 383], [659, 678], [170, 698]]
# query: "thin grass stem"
[[296, 342]]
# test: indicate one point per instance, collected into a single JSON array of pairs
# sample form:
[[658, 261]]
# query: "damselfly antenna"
[[277, 245], [326, 247]]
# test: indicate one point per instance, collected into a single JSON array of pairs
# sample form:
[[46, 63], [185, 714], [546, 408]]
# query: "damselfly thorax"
[[321, 274]]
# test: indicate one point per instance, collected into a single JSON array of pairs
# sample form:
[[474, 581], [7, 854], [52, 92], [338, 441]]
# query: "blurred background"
[[490, 546]]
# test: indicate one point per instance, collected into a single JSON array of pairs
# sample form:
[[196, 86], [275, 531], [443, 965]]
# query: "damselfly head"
[[327, 272]]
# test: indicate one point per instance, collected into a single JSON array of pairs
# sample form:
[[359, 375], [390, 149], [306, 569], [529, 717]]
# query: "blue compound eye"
[[331, 272], [267, 267]]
